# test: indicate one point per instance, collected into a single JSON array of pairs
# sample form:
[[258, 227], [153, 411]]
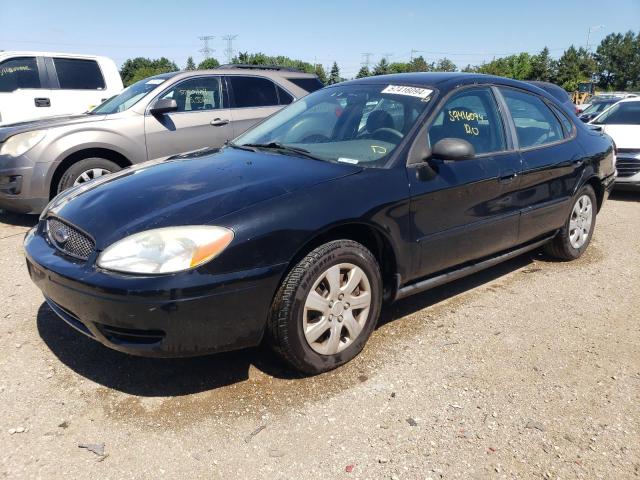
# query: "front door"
[[24, 92], [202, 119], [466, 210]]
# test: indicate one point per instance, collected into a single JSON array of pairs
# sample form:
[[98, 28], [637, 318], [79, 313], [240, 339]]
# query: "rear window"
[[18, 73], [308, 84], [253, 92], [76, 74]]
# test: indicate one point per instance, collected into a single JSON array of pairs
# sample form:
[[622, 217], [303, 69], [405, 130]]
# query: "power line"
[[206, 50], [229, 51]]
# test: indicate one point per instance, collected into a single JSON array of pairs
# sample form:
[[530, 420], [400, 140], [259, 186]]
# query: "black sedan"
[[297, 232]]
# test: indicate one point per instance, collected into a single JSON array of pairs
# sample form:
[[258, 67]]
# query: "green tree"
[[363, 72], [445, 65], [574, 66], [191, 65], [334, 74], [419, 64], [470, 69], [280, 60], [382, 68], [618, 61], [399, 67], [542, 66], [208, 64], [135, 69], [320, 73]]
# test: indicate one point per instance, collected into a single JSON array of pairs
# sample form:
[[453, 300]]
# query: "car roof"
[[442, 80], [32, 53], [629, 99]]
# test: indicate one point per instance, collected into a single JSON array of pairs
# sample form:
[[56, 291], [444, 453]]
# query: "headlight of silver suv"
[[21, 143]]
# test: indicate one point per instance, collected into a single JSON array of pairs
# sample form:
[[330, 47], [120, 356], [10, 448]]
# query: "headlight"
[[166, 250], [21, 143]]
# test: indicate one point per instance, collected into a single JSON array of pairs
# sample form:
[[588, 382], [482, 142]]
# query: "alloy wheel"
[[580, 221], [89, 175]]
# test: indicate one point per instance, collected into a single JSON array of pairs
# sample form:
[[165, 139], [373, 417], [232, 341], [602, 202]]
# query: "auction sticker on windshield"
[[410, 91]]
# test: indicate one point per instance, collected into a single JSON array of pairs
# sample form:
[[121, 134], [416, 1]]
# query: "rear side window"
[[471, 115], [76, 74], [535, 123], [623, 113], [284, 97], [18, 73], [253, 92], [308, 84], [566, 123]]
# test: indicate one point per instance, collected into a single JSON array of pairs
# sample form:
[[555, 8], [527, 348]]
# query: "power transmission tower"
[[387, 55], [206, 50], [229, 51], [413, 50], [366, 59]]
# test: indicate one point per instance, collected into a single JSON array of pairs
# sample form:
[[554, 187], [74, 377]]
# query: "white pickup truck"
[[44, 84]]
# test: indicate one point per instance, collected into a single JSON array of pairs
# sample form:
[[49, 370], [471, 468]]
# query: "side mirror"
[[453, 149], [164, 105]]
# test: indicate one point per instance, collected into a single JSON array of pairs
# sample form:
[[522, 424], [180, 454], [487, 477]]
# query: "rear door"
[[551, 162], [466, 210], [78, 85], [23, 89], [254, 98], [202, 119]]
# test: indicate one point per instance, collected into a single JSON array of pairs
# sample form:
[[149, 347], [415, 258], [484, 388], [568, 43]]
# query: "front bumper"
[[628, 167], [24, 186], [185, 314]]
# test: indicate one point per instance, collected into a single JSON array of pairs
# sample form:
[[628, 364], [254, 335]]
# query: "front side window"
[[195, 94], [77, 74], [253, 92], [535, 123], [622, 113], [18, 73], [598, 107], [356, 124], [471, 115]]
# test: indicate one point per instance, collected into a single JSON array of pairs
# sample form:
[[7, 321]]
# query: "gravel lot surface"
[[528, 370]]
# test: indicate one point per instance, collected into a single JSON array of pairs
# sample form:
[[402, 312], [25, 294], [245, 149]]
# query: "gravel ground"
[[527, 370]]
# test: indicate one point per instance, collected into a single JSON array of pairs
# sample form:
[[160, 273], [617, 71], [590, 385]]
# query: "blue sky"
[[324, 31]]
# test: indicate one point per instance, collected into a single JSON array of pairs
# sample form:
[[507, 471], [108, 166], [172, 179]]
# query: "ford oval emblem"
[[60, 235]]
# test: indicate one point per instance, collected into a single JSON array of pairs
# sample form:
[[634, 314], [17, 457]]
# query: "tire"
[[88, 165], [564, 246], [293, 313]]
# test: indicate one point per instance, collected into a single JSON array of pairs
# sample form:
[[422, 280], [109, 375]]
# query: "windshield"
[[622, 113], [357, 124], [129, 96], [598, 107]]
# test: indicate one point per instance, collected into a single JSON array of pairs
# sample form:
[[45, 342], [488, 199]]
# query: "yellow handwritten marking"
[[378, 149], [471, 130], [460, 115]]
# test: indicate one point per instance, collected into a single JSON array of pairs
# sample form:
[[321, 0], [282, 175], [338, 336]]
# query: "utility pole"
[[413, 50], [206, 50], [366, 59], [592, 29], [229, 50]]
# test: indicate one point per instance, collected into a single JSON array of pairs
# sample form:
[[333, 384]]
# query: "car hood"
[[624, 136], [194, 189], [7, 131]]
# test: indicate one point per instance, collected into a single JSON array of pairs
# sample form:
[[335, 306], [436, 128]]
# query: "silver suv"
[[154, 118]]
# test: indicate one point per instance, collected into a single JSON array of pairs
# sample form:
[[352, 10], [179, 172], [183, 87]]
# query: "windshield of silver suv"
[[131, 95], [355, 124]]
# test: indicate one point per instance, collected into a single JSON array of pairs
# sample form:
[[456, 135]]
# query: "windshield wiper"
[[283, 147], [240, 147]]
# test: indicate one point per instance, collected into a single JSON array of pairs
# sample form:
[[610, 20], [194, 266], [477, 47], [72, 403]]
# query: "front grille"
[[69, 240], [627, 167]]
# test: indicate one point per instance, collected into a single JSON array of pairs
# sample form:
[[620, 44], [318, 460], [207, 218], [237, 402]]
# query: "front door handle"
[[218, 122], [42, 102], [508, 176]]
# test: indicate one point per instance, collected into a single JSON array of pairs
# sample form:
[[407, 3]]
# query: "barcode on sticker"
[[352, 161], [410, 91]]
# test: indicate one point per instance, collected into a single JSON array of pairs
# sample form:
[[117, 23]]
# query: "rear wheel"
[[85, 171], [327, 307], [575, 236]]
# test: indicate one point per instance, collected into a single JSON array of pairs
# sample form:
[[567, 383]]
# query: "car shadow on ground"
[[18, 219], [175, 377], [625, 195]]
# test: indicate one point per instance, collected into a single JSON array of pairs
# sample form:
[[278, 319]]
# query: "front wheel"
[[575, 236], [327, 307], [85, 171]]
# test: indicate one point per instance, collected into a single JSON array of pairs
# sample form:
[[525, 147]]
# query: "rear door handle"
[[218, 122], [508, 176], [42, 102]]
